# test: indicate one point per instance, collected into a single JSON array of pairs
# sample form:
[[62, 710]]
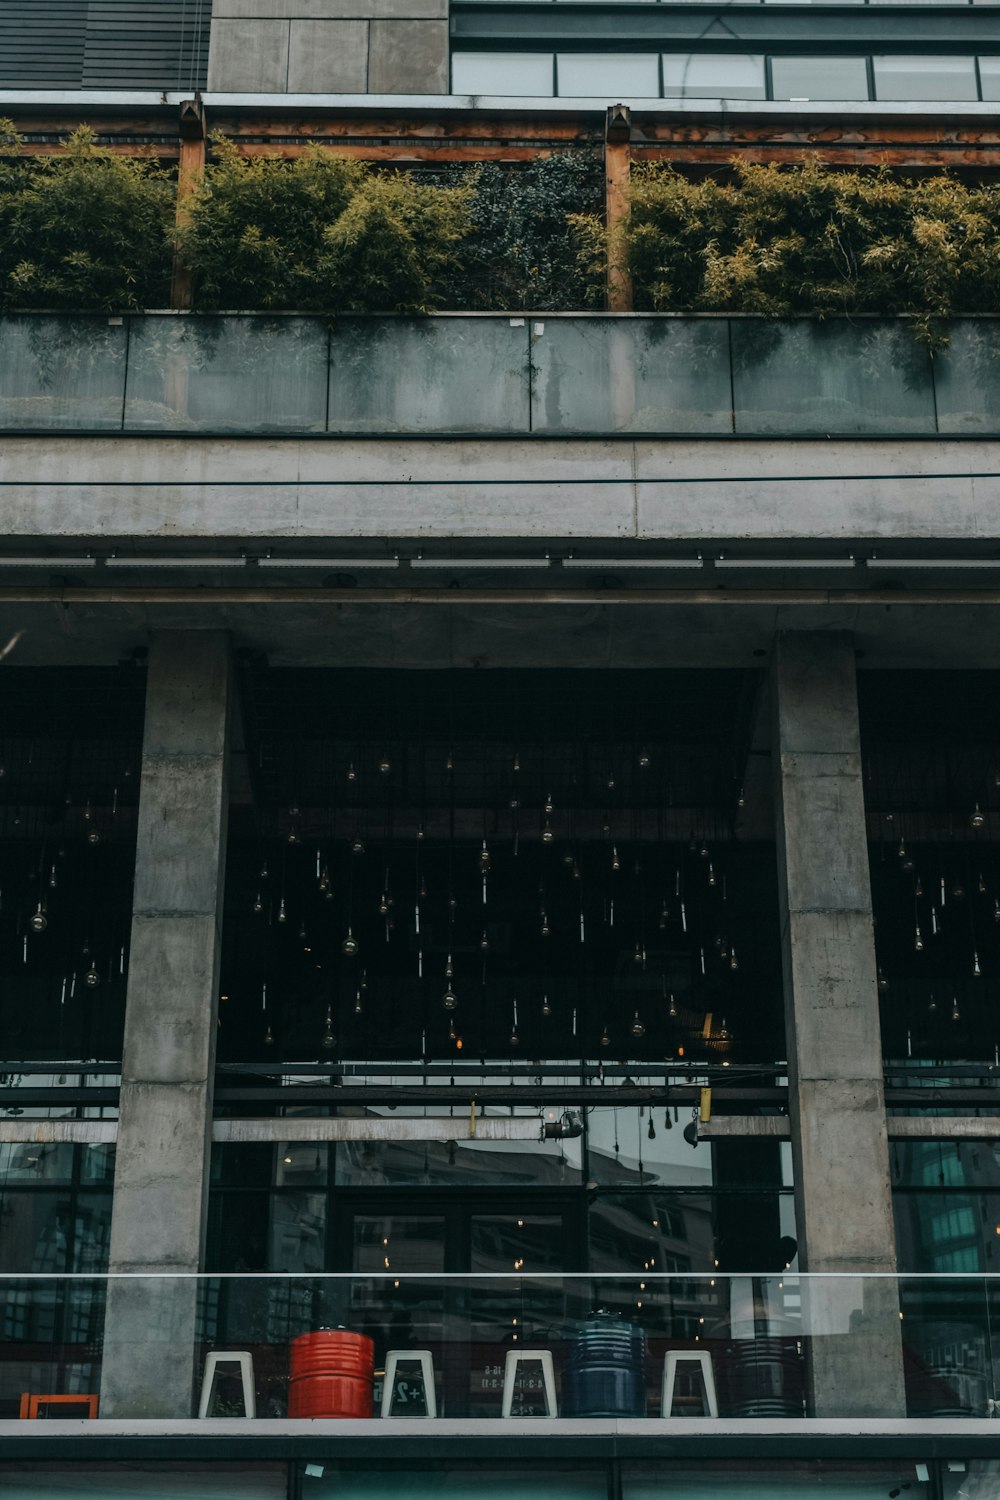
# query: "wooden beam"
[[191, 170], [617, 171]]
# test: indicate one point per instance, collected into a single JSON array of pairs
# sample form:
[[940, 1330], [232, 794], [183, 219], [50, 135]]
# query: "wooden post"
[[191, 168], [617, 167]]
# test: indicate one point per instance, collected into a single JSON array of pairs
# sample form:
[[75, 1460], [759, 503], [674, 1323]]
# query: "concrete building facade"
[[498, 822]]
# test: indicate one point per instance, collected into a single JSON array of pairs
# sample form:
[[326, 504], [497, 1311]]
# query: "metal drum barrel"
[[331, 1374], [606, 1372]]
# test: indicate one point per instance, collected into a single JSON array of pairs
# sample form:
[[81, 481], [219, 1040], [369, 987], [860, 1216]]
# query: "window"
[[502, 73], [819, 78], [710, 75], [989, 78], [951, 78], [627, 75]]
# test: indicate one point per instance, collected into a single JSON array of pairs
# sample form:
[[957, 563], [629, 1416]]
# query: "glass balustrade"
[[472, 374], [396, 1343]]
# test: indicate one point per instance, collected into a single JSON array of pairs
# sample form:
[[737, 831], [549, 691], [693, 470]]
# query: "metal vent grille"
[[104, 44]]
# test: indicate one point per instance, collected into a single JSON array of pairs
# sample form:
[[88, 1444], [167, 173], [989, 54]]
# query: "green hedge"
[[811, 239], [89, 229]]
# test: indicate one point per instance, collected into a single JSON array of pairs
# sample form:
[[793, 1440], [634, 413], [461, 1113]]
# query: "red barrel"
[[331, 1374]]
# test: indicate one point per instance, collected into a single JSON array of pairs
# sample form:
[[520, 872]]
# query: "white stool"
[[703, 1360], [393, 1360], [517, 1357], [228, 1357]]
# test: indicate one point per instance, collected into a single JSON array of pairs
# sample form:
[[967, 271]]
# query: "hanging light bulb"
[[515, 803], [452, 1034], [549, 804], [349, 947], [976, 970], [644, 762], [932, 1005], [258, 904], [711, 874], [484, 858], [484, 942], [357, 1003], [605, 1039], [955, 1013], [88, 812], [357, 844], [958, 890], [449, 968], [268, 1037], [918, 889], [664, 917], [651, 1128], [449, 764], [703, 851], [38, 921], [981, 884], [545, 929], [420, 831], [328, 1039], [450, 1000], [883, 983], [672, 1011], [282, 914], [53, 881], [93, 837], [733, 962], [263, 870], [385, 765], [918, 942], [637, 1029], [352, 774], [324, 879], [547, 834], [616, 863], [611, 782], [546, 1007], [741, 800], [383, 904], [976, 819], [515, 1040], [639, 956], [302, 931], [92, 979]]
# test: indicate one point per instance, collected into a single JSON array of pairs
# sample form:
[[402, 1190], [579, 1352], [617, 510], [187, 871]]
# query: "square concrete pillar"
[[165, 1114], [836, 1100]]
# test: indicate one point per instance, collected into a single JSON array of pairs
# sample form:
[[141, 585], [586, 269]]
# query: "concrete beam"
[[684, 492], [165, 1109]]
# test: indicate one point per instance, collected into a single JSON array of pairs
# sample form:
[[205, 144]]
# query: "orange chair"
[[35, 1407]]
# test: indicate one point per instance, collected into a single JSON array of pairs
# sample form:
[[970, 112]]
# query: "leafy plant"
[[521, 252], [87, 229], [320, 233], [812, 239]]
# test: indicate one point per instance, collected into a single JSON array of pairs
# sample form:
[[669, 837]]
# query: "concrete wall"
[[682, 491], [329, 47]]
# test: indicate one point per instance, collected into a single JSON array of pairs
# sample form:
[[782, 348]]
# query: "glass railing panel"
[[62, 373], [226, 374], [828, 378], [643, 1345], [447, 374], [631, 375], [967, 377]]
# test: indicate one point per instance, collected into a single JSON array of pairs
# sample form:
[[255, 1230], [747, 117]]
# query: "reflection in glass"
[[819, 78], [631, 75], [952, 78], [713, 75], [502, 73], [62, 373]]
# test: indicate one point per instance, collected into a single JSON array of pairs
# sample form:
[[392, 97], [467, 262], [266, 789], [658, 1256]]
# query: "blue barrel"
[[605, 1375]]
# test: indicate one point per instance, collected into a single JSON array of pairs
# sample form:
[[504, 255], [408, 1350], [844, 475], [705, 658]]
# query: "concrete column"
[[164, 1130], [836, 1100]]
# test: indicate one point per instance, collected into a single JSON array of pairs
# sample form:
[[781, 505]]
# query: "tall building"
[[497, 811]]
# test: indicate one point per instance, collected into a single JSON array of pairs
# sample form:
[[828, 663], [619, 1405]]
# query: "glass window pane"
[[819, 78], [715, 1479], [398, 1242], [251, 1480], [411, 1481], [710, 75], [298, 1232], [629, 75], [925, 78], [989, 77], [516, 1242], [28, 1162], [967, 372], [502, 73]]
